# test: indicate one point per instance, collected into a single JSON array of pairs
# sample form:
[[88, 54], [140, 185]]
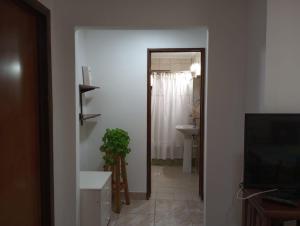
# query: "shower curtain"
[[171, 105]]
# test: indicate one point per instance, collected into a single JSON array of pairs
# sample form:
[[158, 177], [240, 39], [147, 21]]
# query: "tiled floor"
[[169, 182], [174, 202]]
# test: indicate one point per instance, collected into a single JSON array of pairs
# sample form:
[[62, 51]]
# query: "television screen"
[[272, 151]]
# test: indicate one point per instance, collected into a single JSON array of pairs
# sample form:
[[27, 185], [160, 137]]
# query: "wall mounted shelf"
[[86, 88], [83, 89], [88, 116]]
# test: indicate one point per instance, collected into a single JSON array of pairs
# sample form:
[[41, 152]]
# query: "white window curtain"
[[171, 105]]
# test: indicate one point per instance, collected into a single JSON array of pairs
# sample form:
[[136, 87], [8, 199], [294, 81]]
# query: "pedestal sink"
[[188, 131]]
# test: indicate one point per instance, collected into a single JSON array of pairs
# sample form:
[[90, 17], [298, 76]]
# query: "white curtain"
[[171, 105]]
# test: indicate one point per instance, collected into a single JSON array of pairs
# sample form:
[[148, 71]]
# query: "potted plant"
[[115, 149], [115, 144]]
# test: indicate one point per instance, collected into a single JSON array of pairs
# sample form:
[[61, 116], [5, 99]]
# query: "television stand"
[[282, 201], [286, 197], [260, 212]]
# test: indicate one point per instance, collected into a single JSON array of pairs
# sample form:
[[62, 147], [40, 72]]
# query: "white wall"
[[275, 31], [226, 21], [256, 64], [275, 90], [282, 93], [65, 162], [118, 59], [82, 60]]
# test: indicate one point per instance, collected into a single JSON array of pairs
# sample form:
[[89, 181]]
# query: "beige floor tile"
[[174, 202], [153, 196], [195, 205], [139, 207], [165, 189], [164, 195], [196, 196], [171, 219], [113, 219], [183, 196], [171, 179], [112, 223], [163, 206], [135, 220], [176, 195], [185, 188], [180, 207], [197, 218], [171, 207]]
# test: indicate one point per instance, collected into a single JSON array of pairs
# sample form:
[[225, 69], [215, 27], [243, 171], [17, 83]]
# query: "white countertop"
[[93, 179]]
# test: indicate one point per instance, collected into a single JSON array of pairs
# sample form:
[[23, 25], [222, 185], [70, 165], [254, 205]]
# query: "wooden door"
[[25, 144]]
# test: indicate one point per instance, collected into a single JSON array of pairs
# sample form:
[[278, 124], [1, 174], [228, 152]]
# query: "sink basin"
[[188, 129]]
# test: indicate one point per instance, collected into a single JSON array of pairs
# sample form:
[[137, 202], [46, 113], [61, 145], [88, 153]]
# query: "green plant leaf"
[[115, 143]]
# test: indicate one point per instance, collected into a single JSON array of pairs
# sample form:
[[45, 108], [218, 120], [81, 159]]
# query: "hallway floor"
[[174, 201]]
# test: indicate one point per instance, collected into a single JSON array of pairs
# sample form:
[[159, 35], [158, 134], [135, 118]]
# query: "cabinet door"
[[106, 201], [90, 208]]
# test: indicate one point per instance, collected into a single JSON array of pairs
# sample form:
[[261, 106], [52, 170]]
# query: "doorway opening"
[[175, 123]]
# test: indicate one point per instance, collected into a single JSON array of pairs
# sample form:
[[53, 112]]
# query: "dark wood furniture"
[[260, 212], [26, 191], [82, 90]]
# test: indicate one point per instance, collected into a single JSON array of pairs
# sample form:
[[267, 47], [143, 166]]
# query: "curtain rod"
[[168, 71], [160, 70]]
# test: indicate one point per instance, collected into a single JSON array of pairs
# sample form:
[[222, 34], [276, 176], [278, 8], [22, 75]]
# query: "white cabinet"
[[95, 198]]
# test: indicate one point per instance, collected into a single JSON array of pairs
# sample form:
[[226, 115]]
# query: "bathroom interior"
[[175, 124]]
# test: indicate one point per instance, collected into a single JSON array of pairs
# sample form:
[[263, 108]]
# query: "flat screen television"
[[272, 151]]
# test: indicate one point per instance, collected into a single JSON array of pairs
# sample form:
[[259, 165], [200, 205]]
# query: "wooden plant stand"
[[119, 182]]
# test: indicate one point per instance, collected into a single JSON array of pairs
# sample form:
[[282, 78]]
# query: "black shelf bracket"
[[82, 90]]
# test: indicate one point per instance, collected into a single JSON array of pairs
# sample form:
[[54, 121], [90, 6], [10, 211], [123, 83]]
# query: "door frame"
[[202, 112], [45, 107]]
